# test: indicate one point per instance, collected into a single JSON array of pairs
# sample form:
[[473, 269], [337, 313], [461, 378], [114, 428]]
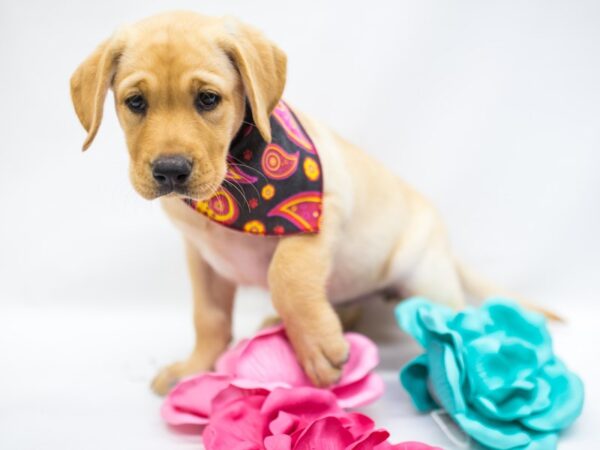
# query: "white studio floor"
[[77, 378]]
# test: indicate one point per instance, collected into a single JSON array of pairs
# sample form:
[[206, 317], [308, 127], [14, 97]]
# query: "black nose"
[[171, 170]]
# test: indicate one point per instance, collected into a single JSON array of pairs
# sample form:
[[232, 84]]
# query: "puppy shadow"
[[378, 322], [187, 433]]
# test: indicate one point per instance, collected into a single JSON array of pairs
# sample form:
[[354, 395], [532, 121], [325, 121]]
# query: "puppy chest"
[[243, 259]]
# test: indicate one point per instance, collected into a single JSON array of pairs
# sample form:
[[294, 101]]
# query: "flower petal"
[[362, 392], [307, 403], [495, 363], [325, 434], [407, 314], [284, 423], [494, 434], [445, 358], [566, 399], [236, 422], [227, 362], [269, 358], [445, 376], [371, 441], [512, 320], [189, 402], [254, 384], [502, 377], [520, 403], [470, 323], [357, 424], [362, 360], [542, 442], [278, 442], [414, 377]]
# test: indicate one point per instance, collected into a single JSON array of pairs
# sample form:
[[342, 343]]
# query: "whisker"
[[214, 187], [240, 163], [241, 188], [258, 172], [251, 185], [237, 188]]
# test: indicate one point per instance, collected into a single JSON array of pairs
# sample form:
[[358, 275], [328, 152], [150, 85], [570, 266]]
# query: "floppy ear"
[[262, 66], [90, 83]]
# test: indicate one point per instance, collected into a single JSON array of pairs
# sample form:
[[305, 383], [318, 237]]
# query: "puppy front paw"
[[322, 357], [168, 376]]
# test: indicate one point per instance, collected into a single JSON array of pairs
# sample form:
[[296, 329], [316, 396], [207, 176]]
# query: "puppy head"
[[181, 82]]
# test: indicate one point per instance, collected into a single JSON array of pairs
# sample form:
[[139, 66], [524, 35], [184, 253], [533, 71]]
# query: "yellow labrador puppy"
[[184, 86]]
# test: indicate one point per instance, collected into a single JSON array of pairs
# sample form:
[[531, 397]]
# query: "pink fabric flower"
[[302, 418], [267, 361]]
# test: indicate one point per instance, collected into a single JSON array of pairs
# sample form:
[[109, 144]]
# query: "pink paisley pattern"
[[277, 164], [294, 131], [303, 210], [273, 188]]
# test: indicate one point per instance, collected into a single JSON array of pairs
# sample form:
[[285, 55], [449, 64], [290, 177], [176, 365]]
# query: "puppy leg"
[[349, 316], [213, 303], [435, 277], [297, 278]]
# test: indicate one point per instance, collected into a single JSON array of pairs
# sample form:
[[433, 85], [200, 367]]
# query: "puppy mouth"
[[200, 192]]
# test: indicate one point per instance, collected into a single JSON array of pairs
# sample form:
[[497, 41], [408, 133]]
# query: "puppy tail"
[[480, 289]]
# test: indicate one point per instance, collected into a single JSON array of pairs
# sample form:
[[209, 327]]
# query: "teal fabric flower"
[[493, 370]]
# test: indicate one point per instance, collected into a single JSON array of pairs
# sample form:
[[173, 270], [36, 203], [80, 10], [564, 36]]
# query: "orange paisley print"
[[267, 192], [255, 227], [277, 164], [221, 207], [311, 169], [303, 210]]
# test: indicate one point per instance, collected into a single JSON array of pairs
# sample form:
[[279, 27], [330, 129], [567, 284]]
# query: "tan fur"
[[362, 248]]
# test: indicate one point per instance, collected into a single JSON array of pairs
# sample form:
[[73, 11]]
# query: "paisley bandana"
[[273, 188]]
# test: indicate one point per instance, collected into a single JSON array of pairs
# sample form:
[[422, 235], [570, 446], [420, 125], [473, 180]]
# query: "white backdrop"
[[492, 109]]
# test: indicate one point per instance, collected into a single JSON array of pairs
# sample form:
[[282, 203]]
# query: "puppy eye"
[[137, 104], [206, 101]]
